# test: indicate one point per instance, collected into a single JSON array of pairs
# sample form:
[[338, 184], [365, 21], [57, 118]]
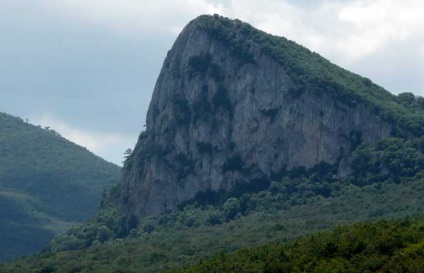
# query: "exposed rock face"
[[216, 120]]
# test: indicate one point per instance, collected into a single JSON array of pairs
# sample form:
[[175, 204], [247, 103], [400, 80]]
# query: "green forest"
[[300, 204], [313, 72], [301, 220], [47, 184], [193, 234], [385, 246]]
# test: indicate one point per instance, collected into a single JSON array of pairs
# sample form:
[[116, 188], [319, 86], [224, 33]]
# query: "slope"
[[196, 233], [236, 107], [250, 139], [311, 71], [387, 246], [47, 184]]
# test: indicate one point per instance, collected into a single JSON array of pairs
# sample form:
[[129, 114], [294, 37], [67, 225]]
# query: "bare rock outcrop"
[[219, 119]]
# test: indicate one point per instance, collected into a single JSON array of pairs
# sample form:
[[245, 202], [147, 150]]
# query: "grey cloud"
[[91, 77], [84, 75], [398, 67]]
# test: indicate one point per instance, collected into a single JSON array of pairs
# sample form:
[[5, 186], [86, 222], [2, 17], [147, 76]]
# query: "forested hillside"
[[387, 246], [287, 210], [254, 141], [47, 184]]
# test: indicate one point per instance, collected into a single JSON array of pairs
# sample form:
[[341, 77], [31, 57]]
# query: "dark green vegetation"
[[288, 209], [311, 71], [392, 159], [46, 184], [387, 246], [385, 182]]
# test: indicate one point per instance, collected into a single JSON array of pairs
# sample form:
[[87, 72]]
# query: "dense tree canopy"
[[383, 180], [47, 184]]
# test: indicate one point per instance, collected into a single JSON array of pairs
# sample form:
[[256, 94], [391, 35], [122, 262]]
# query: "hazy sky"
[[87, 68]]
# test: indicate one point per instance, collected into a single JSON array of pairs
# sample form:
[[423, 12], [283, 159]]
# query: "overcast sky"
[[87, 68]]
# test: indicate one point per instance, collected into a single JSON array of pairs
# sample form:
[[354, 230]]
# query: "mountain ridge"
[[47, 184], [236, 106], [217, 168], [305, 74]]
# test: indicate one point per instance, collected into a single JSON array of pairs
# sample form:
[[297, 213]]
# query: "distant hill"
[[47, 184], [250, 139]]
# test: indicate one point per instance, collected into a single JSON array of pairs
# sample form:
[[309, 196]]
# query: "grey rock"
[[233, 122]]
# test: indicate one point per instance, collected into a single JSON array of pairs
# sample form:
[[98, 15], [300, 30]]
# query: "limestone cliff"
[[227, 111]]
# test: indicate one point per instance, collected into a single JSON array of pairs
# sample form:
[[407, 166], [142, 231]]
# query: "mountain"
[[251, 139], [47, 184], [234, 107]]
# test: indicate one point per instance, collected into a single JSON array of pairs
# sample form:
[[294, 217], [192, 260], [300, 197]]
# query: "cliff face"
[[218, 119]]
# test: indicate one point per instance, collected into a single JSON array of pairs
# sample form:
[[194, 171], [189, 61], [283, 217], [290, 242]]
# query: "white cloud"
[[379, 39], [108, 145], [134, 17], [380, 23], [342, 30]]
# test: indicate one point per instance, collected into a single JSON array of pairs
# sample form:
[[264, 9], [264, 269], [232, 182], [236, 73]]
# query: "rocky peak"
[[235, 106]]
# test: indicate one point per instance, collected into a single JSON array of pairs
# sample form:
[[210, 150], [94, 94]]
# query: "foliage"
[[391, 160], [106, 225], [283, 212], [183, 165], [128, 159], [386, 246], [202, 64], [181, 110], [201, 104], [47, 184], [299, 203], [386, 182], [221, 100], [234, 163], [312, 72]]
